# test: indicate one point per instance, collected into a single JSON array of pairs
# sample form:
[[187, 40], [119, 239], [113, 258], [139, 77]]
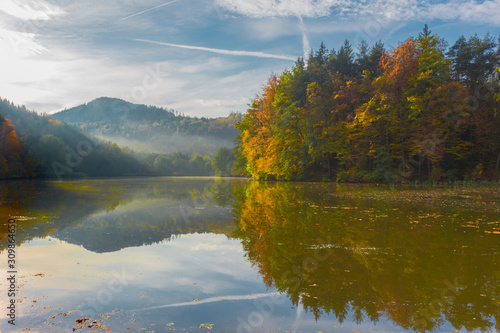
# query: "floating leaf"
[[82, 320], [208, 326]]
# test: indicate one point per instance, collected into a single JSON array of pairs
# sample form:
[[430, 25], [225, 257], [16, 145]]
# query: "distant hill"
[[32, 145], [151, 128], [115, 110]]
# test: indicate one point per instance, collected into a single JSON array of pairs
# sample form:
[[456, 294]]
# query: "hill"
[[32, 145], [151, 128]]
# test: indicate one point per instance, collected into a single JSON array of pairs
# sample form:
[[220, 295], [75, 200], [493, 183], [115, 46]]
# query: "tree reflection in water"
[[418, 256]]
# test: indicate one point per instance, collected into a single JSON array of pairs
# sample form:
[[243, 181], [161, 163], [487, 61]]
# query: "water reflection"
[[344, 257], [108, 215], [419, 257]]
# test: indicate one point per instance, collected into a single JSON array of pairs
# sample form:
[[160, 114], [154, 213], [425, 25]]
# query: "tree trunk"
[[498, 162]]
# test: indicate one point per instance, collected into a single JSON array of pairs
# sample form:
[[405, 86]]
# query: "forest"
[[38, 146], [143, 127], [423, 111]]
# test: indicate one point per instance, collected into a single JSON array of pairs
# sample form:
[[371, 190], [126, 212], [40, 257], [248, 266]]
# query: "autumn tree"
[[420, 111], [257, 137], [14, 162]]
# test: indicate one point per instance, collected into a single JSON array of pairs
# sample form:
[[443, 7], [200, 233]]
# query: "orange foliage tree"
[[13, 162]]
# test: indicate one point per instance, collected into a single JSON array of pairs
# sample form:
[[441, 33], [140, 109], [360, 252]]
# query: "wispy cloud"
[[223, 51], [321, 8], [221, 102], [30, 10], [392, 10], [212, 300], [305, 39], [468, 11], [148, 10], [18, 44], [276, 8]]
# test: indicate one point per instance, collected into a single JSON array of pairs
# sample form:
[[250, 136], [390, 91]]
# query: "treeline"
[[182, 164], [422, 111], [36, 146]]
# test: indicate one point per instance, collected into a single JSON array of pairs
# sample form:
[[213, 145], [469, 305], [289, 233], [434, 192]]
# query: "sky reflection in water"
[[233, 255]]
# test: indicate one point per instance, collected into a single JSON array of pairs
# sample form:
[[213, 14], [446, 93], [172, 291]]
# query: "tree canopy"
[[420, 111]]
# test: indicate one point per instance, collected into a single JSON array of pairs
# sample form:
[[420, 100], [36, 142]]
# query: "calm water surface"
[[233, 255]]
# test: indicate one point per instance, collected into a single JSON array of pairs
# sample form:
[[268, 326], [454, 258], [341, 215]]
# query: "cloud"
[[147, 10], [399, 9], [18, 44], [391, 10], [305, 39], [221, 102], [277, 8], [30, 10], [269, 29], [212, 94], [201, 86], [468, 11], [214, 299], [223, 51]]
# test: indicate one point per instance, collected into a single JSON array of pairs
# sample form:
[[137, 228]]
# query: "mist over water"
[[173, 143]]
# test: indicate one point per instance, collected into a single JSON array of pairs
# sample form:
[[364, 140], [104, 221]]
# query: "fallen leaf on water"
[[207, 326], [82, 320]]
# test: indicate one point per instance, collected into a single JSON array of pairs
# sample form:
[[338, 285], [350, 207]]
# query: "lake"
[[235, 255]]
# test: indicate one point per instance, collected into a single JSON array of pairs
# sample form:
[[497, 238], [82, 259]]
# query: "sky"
[[203, 58]]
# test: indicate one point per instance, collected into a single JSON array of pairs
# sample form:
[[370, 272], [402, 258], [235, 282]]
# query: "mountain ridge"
[[107, 106], [48, 148], [151, 128]]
